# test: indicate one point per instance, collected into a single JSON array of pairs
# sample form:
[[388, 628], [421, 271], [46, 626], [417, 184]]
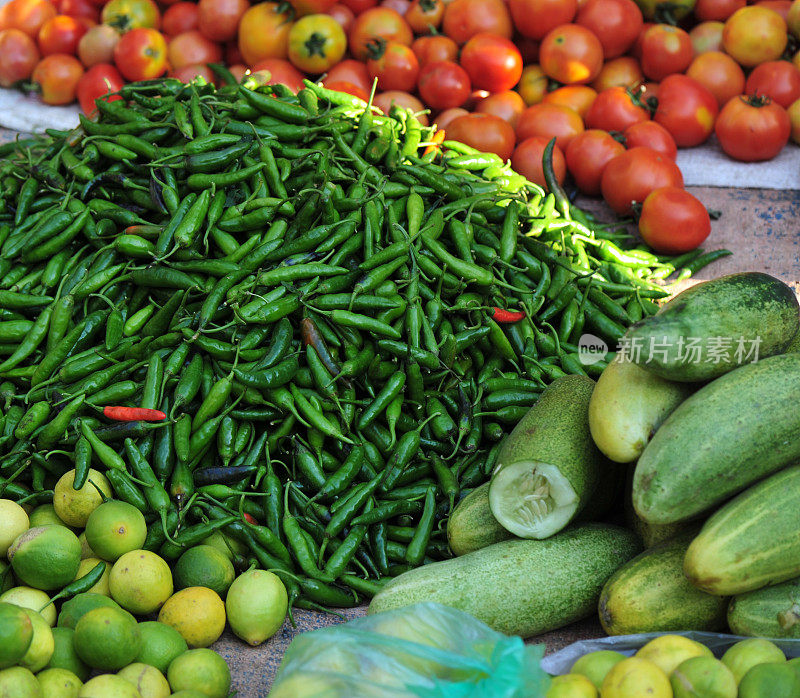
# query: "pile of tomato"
[[620, 84]]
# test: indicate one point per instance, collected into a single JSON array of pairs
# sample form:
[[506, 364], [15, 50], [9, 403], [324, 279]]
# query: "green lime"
[[108, 686], [64, 655], [229, 547], [201, 670], [74, 506], [595, 665], [101, 586], [140, 581], [107, 638], [46, 557], [28, 597], [571, 686], [73, 610], [256, 605], [746, 654], [770, 680], [13, 521], [160, 644], [16, 633], [204, 566], [58, 683], [115, 528], [45, 515], [703, 676], [149, 681], [19, 682], [41, 648], [189, 693]]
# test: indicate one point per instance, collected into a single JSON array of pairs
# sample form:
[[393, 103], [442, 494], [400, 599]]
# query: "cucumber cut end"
[[532, 499]]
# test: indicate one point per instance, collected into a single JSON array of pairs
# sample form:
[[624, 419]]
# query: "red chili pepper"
[[501, 315], [435, 142], [134, 414], [250, 519]]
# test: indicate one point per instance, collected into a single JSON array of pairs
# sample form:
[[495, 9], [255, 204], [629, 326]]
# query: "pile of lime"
[[674, 666], [139, 625]]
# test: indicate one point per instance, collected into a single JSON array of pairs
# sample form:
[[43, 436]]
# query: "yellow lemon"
[[571, 686], [13, 521], [42, 644], [108, 686], [101, 586], [703, 676], [667, 652], [19, 682], [256, 605], [44, 515], [149, 681], [28, 597], [746, 654], [197, 613], [140, 582], [634, 678], [74, 506], [58, 683], [595, 665]]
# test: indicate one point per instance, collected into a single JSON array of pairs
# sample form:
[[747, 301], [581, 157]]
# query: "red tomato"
[[444, 118], [549, 121], [342, 14], [423, 15], [359, 6], [486, 132], [649, 134], [618, 72], [507, 105], [100, 80], [571, 54], [141, 54], [616, 23], [536, 18], [438, 47], [351, 71], [192, 48], [636, 49], [754, 35], [61, 34], [527, 160], [57, 76], [219, 19], [385, 100], [443, 85], [97, 45], [399, 6], [782, 7], [394, 65], [125, 15], [348, 87], [778, 80], [310, 7], [719, 74], [631, 176], [26, 15], [283, 72], [673, 221], [180, 17], [751, 129], [377, 23], [706, 36], [616, 109], [532, 85], [190, 72], [665, 50], [492, 62], [587, 156], [686, 109], [794, 118], [79, 8], [719, 10], [18, 56], [264, 32], [579, 98], [463, 19]]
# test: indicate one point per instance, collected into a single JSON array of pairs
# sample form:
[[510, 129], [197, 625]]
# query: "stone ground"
[[760, 226]]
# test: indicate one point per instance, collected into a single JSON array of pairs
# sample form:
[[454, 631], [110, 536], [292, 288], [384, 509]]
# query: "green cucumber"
[[732, 432], [627, 407], [769, 612], [752, 541], [750, 309], [651, 594], [548, 466], [520, 587], [472, 525]]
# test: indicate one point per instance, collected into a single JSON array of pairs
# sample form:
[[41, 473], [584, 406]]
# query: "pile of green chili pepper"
[[289, 318]]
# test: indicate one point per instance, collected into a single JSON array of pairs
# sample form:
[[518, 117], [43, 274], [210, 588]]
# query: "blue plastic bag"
[[426, 650]]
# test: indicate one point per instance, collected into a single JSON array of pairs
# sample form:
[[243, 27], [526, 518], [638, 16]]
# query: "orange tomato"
[[18, 56], [141, 54], [377, 23], [550, 121], [61, 34], [532, 85], [754, 35], [706, 36], [26, 15], [778, 80], [57, 76], [579, 98], [571, 54], [465, 18], [619, 72], [424, 14], [125, 15], [264, 32], [437, 47], [507, 105], [719, 73]]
